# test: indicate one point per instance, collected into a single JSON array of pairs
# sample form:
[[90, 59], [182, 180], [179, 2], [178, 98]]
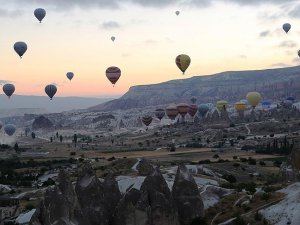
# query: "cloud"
[[265, 33], [243, 56], [280, 65], [288, 44], [11, 14], [295, 11], [151, 42], [2, 82], [108, 25]]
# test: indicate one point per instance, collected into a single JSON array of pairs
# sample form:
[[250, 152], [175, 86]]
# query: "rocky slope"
[[93, 202], [232, 86]]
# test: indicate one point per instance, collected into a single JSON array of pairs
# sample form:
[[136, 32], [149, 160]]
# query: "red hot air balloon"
[[160, 113], [193, 110], [172, 111], [183, 109], [113, 74], [147, 120]]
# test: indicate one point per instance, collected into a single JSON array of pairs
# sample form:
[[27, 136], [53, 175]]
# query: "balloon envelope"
[[240, 106], [286, 27], [291, 98], [222, 105], [183, 61], [160, 113], [40, 14], [70, 75], [20, 48], [113, 74], [8, 89], [183, 109], [203, 109], [10, 129], [172, 111], [253, 98], [113, 38], [50, 90], [193, 110], [211, 106], [177, 12], [147, 120]]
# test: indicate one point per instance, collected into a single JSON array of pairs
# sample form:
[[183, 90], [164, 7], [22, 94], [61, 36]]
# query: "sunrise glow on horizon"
[[218, 36]]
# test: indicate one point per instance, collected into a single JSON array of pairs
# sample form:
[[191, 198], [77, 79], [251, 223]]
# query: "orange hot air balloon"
[[172, 111], [183, 109], [240, 106], [147, 120], [193, 110], [113, 74]]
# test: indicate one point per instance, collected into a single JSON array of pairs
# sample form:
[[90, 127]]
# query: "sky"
[[218, 35]]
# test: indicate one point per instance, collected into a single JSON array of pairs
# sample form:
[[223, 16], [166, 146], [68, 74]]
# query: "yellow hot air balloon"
[[253, 98], [222, 105], [183, 61], [240, 106]]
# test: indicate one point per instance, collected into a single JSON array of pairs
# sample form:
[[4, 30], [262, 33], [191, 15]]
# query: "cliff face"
[[42, 122], [232, 86], [101, 203]]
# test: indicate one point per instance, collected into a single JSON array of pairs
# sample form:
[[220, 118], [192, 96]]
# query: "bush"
[[230, 178], [216, 156], [29, 206], [198, 221], [251, 161], [262, 163], [236, 165], [277, 163], [271, 135], [235, 157]]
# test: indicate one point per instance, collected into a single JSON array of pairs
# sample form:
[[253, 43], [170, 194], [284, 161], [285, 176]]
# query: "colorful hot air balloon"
[[222, 105], [40, 14], [160, 113], [183, 61], [286, 27], [8, 89], [203, 109], [147, 120], [113, 38], [177, 12], [211, 106], [20, 48], [183, 109], [253, 98], [172, 111], [10, 129], [240, 106], [70, 75], [50, 90], [113, 74], [266, 104], [192, 110], [291, 98]]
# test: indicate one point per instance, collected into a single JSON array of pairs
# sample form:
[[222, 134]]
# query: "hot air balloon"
[[193, 100], [172, 111], [40, 14], [286, 27], [211, 106], [113, 74], [10, 129], [70, 75], [299, 53], [177, 12], [240, 106], [160, 113], [291, 98], [50, 90], [244, 101], [222, 105], [266, 104], [183, 61], [1, 125], [8, 89], [147, 120], [20, 48], [113, 38], [253, 98], [183, 109], [193, 110], [203, 109]]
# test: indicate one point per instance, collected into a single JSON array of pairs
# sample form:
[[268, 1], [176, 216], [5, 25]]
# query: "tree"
[[56, 134], [112, 141], [75, 139], [51, 139], [16, 147], [60, 138], [33, 135]]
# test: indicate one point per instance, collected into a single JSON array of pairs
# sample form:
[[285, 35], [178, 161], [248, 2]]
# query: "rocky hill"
[[232, 86]]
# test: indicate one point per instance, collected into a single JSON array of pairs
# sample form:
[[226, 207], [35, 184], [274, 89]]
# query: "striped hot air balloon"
[[172, 111], [192, 110], [183, 109], [147, 120], [160, 113], [50, 90], [113, 74]]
